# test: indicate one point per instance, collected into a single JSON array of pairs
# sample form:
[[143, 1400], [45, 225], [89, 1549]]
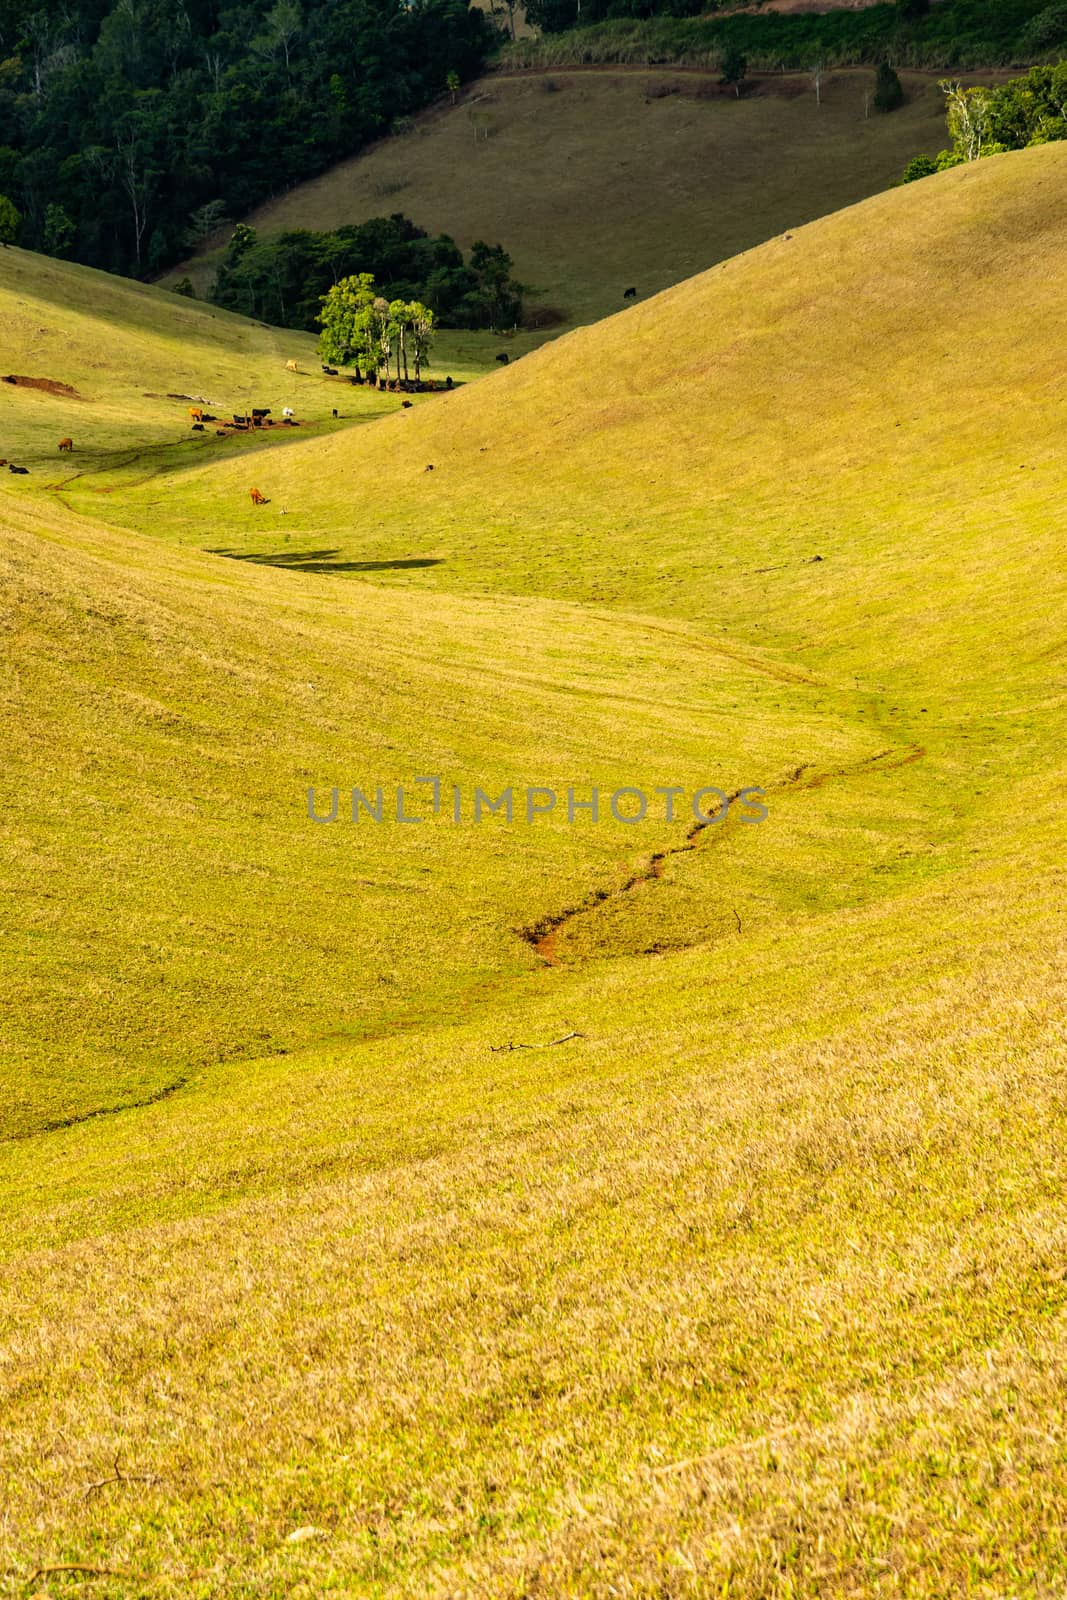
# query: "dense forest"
[[129, 129], [283, 279], [950, 33]]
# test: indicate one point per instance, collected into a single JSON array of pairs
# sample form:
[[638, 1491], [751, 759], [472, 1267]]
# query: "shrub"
[[919, 167], [888, 90], [734, 67], [10, 221], [58, 238]]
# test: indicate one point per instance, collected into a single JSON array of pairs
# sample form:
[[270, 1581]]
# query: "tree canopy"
[[362, 328], [986, 121], [125, 125], [283, 279]]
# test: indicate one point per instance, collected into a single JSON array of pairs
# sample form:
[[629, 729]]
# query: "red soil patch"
[[47, 385]]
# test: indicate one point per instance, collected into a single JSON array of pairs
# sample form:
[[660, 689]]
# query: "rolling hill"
[[596, 180], [543, 1209], [693, 454]]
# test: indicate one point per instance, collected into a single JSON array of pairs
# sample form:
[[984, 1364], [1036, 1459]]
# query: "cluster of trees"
[[282, 279], [951, 33], [128, 128], [364, 329], [888, 89], [986, 121]]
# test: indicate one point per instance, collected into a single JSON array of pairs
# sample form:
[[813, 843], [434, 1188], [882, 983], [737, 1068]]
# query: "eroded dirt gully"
[[543, 936]]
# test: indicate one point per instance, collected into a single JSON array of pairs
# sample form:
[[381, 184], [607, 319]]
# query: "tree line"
[[129, 128], [915, 33], [986, 121], [282, 279]]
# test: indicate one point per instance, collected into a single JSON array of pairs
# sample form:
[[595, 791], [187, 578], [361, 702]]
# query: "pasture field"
[[537, 1210], [596, 180]]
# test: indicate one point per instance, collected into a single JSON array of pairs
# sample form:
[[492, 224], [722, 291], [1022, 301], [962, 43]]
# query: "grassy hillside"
[[598, 180], [168, 712], [535, 1209], [137, 357], [692, 455]]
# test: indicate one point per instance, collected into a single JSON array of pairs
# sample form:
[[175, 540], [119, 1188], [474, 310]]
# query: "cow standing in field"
[[291, 366], [197, 413], [258, 499], [66, 444]]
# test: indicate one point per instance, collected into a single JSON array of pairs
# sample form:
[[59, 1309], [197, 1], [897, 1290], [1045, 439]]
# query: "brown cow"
[[258, 499], [197, 413], [66, 444]]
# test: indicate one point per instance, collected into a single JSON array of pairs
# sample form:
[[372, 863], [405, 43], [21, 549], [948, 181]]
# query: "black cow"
[[198, 427], [629, 294], [448, 383], [21, 470], [331, 372], [503, 358]]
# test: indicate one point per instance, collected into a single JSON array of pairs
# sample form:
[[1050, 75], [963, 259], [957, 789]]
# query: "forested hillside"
[[129, 129]]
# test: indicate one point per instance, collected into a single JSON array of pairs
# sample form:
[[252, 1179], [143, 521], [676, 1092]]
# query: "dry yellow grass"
[[754, 1285]]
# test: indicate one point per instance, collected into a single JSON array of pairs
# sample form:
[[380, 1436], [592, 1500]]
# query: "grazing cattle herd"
[[260, 416]]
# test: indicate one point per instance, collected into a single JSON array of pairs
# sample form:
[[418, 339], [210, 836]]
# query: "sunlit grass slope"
[[598, 180], [716, 1245], [137, 356], [883, 390], [164, 717]]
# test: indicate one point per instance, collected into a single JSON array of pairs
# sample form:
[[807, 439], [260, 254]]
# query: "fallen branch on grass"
[[118, 1476], [547, 1046], [76, 1566]]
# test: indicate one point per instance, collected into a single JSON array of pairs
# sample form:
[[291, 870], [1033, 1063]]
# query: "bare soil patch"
[[46, 385]]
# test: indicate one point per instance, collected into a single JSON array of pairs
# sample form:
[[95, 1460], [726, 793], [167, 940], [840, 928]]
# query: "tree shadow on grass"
[[323, 561]]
